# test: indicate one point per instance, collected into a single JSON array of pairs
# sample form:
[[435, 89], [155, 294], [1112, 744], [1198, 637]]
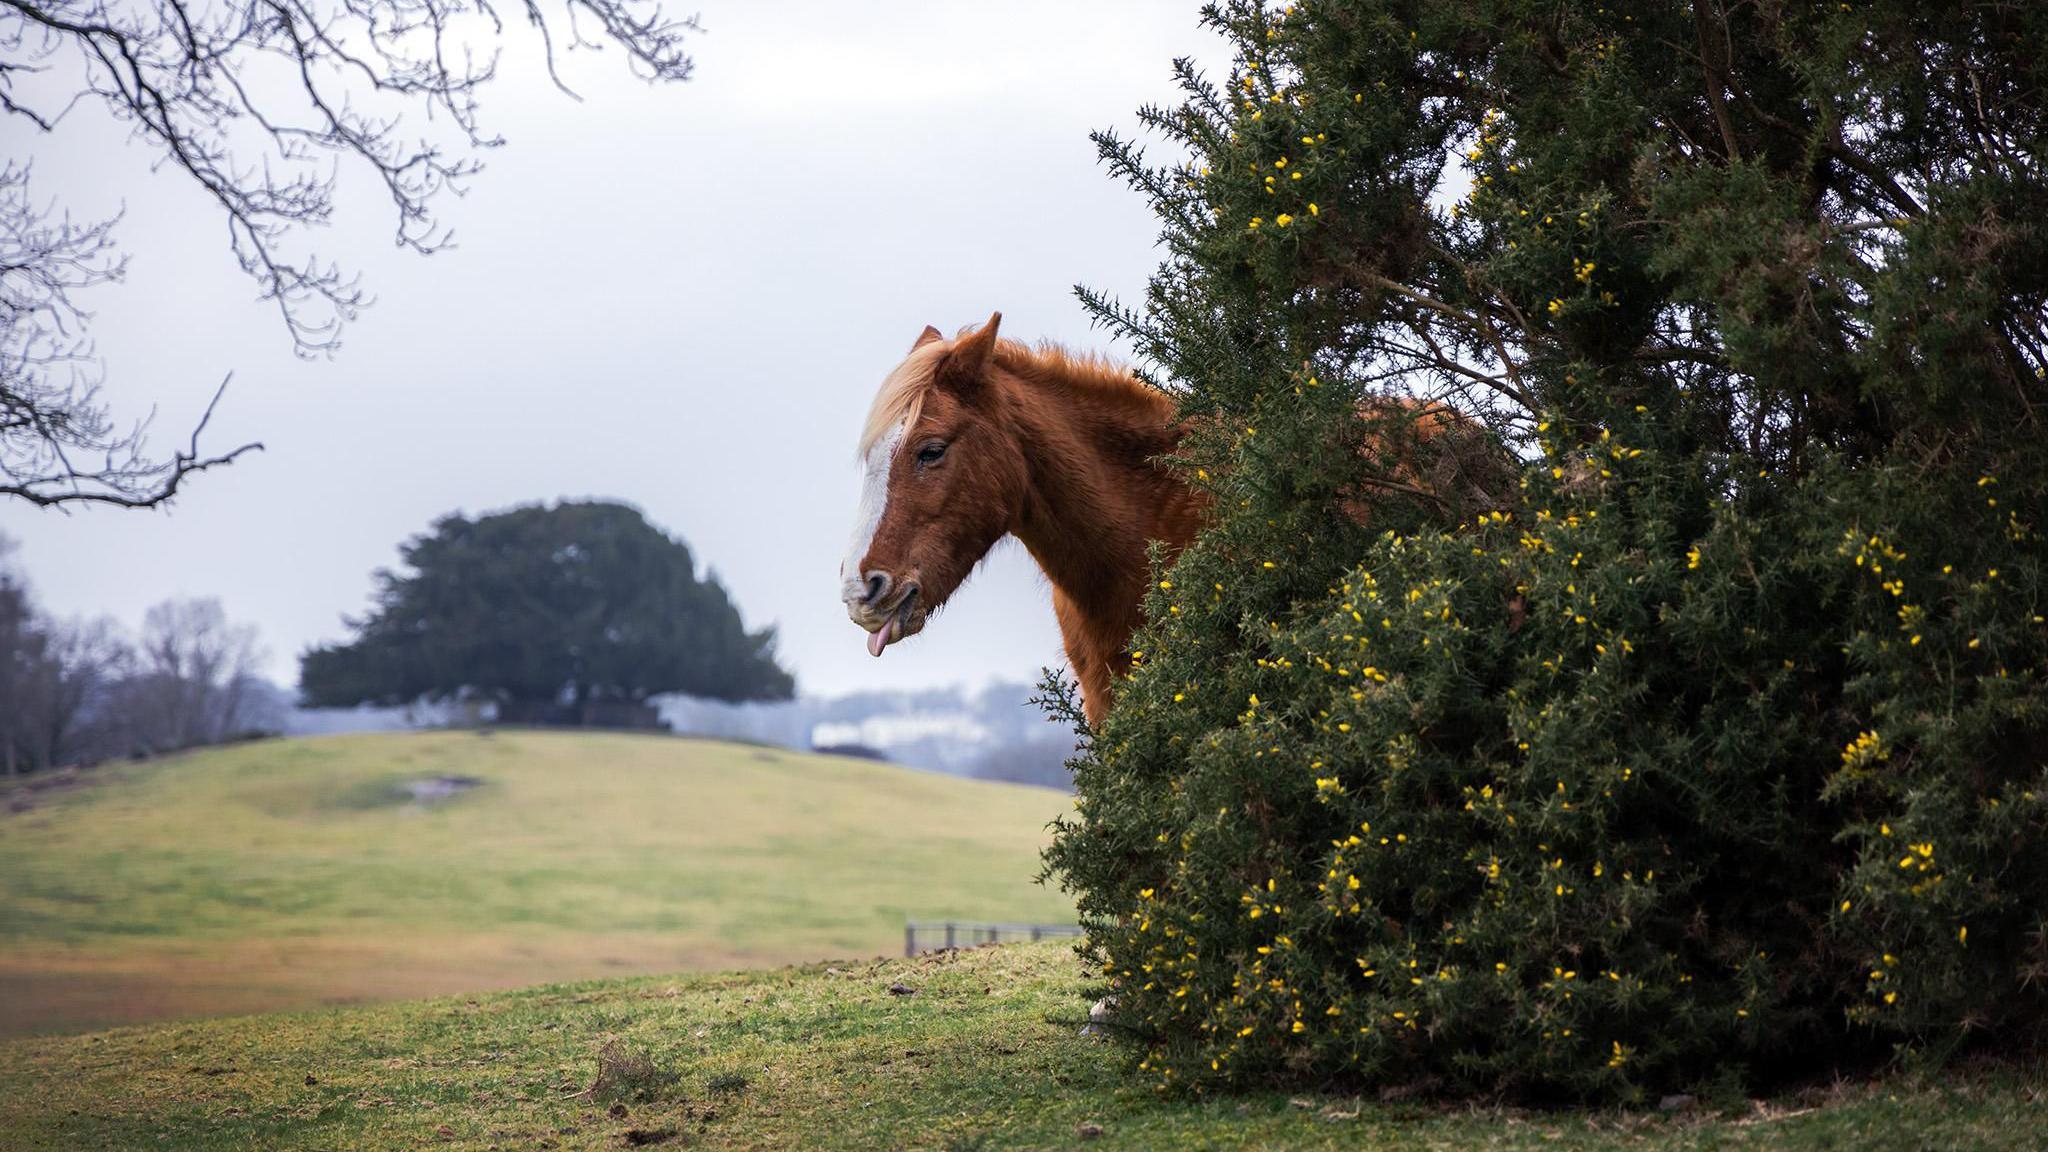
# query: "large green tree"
[[1720, 753], [575, 604]]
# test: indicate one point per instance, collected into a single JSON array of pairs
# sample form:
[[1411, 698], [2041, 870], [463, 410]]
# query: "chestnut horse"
[[975, 438]]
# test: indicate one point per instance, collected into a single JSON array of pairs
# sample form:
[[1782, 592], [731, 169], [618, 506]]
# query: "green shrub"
[[1718, 753]]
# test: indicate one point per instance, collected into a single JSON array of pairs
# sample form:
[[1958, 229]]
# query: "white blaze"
[[874, 497]]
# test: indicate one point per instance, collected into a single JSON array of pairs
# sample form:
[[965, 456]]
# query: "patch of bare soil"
[[435, 789]]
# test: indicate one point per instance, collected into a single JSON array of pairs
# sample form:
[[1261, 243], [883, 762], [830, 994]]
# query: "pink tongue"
[[879, 639]]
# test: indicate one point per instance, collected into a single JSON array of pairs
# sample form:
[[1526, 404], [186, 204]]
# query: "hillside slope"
[[296, 873], [974, 1050]]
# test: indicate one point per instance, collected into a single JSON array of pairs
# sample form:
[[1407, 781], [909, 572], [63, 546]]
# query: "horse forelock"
[[901, 396]]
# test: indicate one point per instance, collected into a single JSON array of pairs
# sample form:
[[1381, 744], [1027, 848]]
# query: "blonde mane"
[[900, 399], [1102, 375]]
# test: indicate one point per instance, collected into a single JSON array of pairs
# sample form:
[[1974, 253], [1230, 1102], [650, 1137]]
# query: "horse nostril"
[[878, 586]]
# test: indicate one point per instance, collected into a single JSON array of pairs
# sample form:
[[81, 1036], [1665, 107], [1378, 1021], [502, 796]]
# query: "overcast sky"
[[681, 297]]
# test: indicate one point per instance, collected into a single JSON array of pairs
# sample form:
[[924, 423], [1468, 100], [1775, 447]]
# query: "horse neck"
[[1097, 496]]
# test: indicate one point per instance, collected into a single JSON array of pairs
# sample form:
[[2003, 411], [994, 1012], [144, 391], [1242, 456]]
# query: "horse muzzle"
[[888, 611]]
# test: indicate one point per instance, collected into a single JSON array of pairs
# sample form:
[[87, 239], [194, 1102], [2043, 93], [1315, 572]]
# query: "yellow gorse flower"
[[1866, 749]]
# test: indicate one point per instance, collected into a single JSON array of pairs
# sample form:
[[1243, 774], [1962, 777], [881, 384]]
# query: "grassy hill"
[[300, 873], [980, 1054], [291, 874]]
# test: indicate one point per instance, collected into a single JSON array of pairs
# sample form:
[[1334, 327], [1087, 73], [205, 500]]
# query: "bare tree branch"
[[261, 104]]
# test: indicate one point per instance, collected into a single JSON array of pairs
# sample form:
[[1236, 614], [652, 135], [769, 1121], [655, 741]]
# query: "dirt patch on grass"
[[398, 791], [629, 1072], [435, 789]]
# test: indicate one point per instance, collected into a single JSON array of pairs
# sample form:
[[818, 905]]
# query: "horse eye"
[[931, 454]]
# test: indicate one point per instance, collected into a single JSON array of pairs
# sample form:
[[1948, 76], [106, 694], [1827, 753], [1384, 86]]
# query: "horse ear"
[[967, 364], [927, 336]]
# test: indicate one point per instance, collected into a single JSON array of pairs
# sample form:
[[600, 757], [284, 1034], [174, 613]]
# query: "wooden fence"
[[933, 935]]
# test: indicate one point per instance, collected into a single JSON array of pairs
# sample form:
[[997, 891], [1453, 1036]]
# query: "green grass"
[[984, 1055], [290, 874], [295, 874]]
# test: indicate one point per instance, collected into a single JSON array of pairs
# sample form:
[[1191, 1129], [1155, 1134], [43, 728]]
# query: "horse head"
[[944, 478]]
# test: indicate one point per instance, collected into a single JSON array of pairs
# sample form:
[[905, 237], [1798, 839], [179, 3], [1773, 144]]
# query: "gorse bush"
[[1712, 749]]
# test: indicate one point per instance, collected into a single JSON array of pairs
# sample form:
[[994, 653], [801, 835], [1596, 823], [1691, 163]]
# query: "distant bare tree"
[[260, 103], [89, 661], [61, 684], [193, 676], [77, 691], [24, 670]]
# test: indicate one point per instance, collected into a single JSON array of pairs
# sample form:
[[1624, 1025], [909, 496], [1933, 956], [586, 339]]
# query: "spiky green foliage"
[[1718, 752]]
